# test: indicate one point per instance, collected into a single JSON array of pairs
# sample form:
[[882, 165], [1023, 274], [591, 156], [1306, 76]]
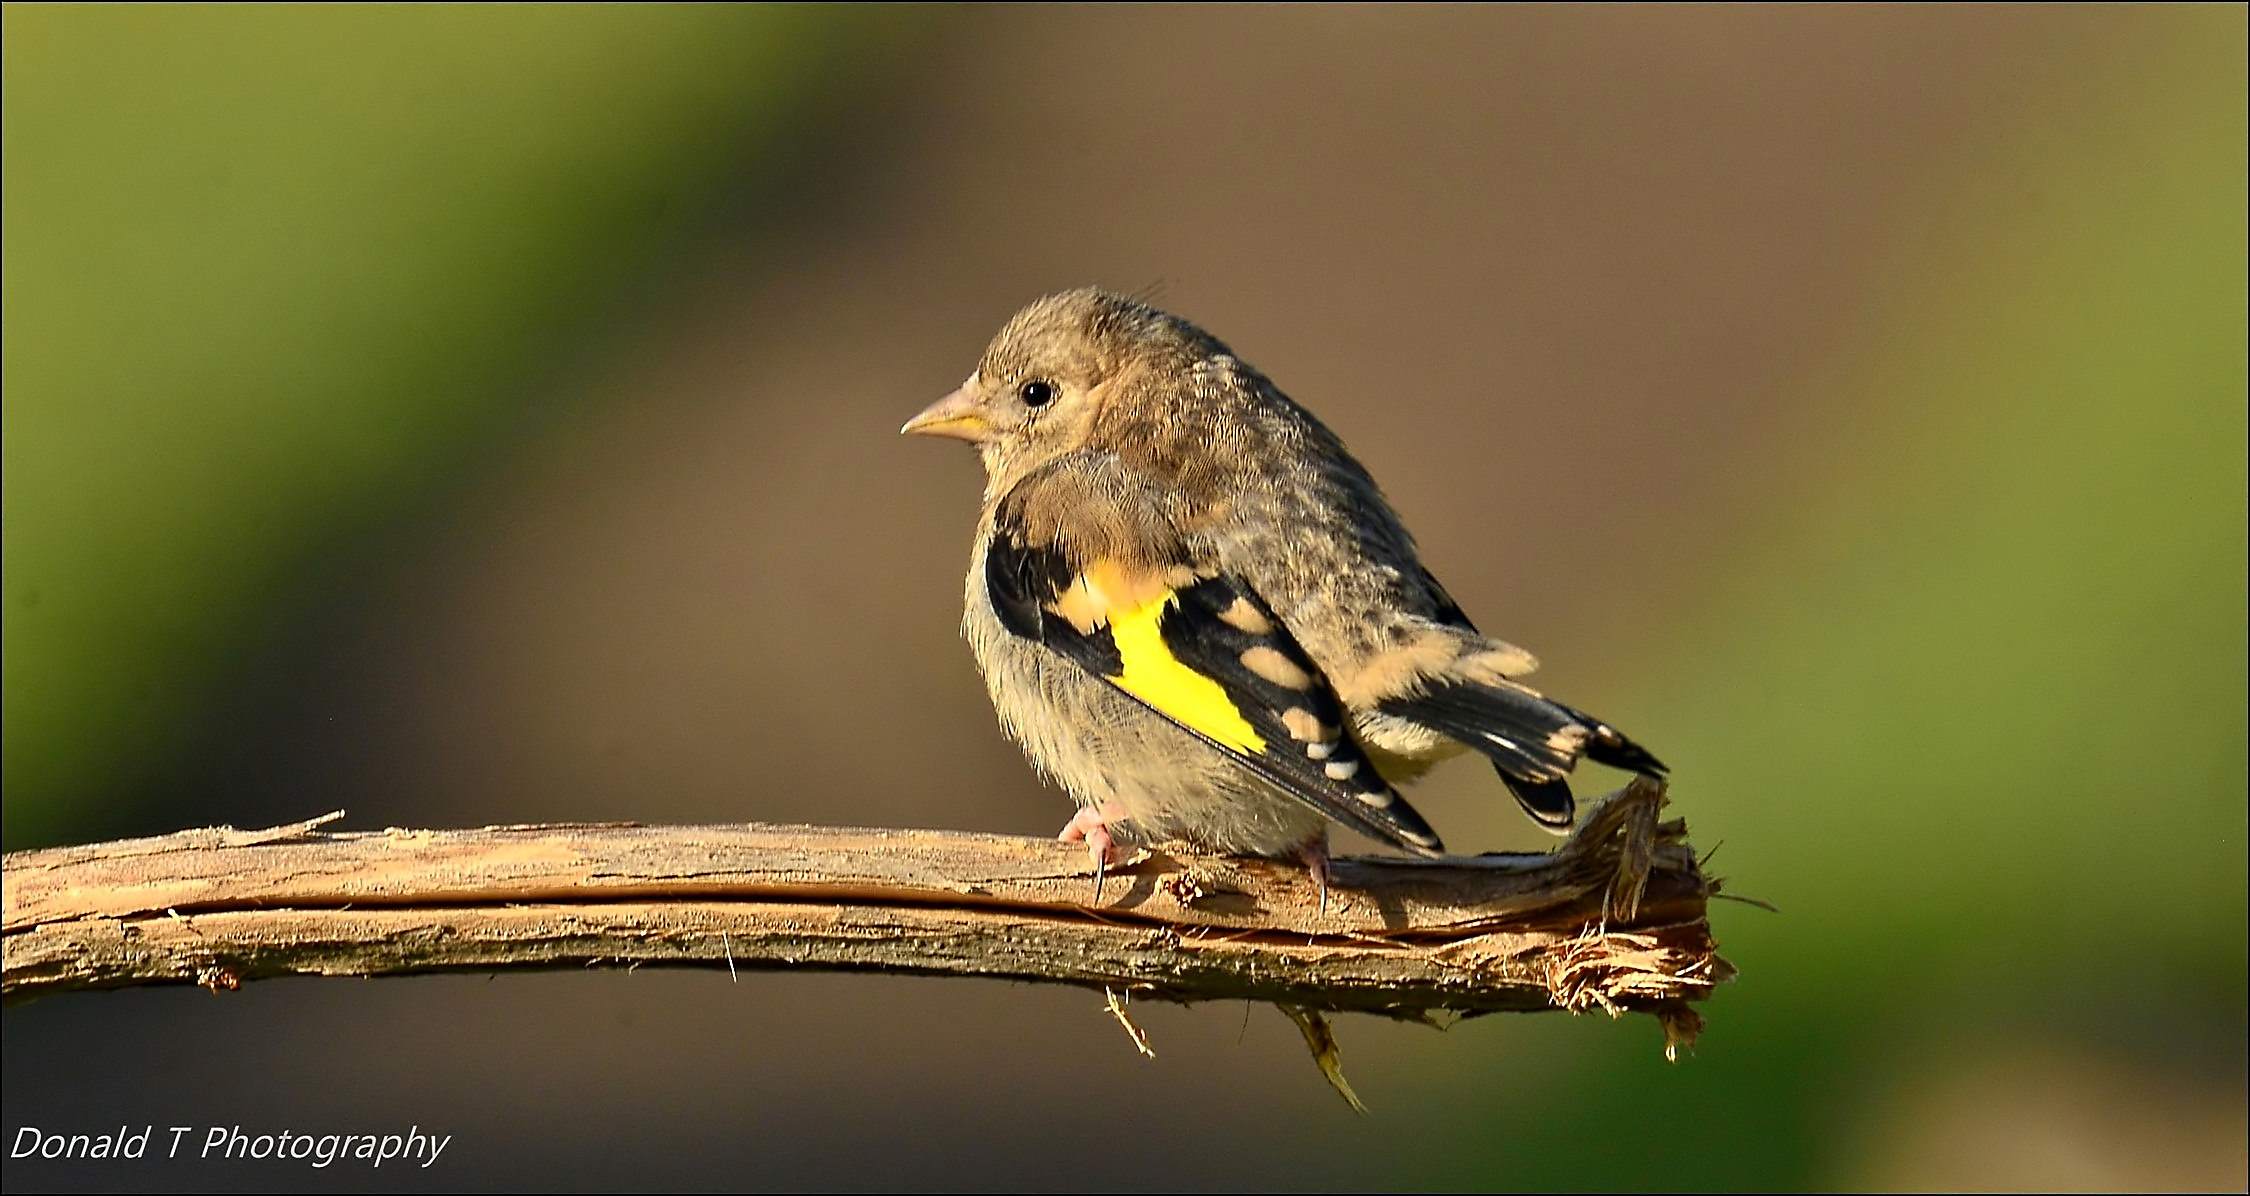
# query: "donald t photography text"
[[189, 1143]]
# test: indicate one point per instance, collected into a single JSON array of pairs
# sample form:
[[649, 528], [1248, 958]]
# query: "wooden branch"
[[1614, 919]]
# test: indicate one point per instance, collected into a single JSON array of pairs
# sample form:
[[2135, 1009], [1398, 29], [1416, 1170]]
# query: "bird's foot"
[[1090, 825], [1315, 856]]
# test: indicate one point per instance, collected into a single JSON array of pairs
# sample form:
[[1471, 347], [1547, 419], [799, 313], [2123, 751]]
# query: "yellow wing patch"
[[1157, 677]]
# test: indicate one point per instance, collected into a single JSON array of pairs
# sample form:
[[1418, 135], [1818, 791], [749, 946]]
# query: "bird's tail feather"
[[1533, 742], [1606, 745], [1550, 803]]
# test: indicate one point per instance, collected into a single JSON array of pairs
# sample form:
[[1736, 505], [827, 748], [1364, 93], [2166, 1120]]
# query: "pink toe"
[[1081, 824]]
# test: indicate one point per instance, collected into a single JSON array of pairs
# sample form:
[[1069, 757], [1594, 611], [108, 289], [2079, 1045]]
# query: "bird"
[[1197, 613]]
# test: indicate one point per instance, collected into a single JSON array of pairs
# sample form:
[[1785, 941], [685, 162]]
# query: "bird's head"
[[1060, 370]]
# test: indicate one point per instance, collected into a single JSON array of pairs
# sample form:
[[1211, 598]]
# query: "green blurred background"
[[466, 415]]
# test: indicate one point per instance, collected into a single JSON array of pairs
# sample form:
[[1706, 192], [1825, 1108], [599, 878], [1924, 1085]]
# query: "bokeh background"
[[462, 415]]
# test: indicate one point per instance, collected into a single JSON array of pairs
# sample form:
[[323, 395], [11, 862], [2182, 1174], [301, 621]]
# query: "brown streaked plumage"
[[1196, 611]]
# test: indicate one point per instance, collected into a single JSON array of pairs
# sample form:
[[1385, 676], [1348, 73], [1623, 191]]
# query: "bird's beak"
[[955, 415]]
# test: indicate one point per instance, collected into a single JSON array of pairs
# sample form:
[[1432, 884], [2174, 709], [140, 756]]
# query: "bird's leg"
[[1315, 856], [1091, 824]]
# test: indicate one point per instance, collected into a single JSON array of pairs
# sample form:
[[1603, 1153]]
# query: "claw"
[[1315, 856], [1103, 848]]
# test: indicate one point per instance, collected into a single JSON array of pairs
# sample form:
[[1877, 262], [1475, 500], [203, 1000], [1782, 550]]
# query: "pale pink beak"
[[956, 415]]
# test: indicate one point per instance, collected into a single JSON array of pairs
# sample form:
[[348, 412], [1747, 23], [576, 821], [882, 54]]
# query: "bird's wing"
[[1197, 646]]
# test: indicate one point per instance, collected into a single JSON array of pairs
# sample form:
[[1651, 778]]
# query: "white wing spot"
[[1276, 668], [1319, 751], [1377, 798], [1568, 741], [1342, 770], [1246, 618]]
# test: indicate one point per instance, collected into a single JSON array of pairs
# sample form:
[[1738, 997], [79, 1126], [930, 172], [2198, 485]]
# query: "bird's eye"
[[1037, 394]]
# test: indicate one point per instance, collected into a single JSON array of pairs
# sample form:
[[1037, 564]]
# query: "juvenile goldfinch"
[[1197, 612]]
